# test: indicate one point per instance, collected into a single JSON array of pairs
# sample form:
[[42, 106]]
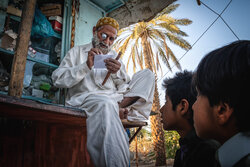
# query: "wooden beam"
[[19, 60]]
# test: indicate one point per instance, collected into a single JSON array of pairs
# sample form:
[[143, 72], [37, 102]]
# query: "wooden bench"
[[129, 124], [36, 134]]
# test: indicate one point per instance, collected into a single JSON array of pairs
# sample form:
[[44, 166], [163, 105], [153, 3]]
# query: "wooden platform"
[[37, 134], [41, 135]]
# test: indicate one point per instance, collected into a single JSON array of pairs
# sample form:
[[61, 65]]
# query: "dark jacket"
[[244, 162], [195, 152]]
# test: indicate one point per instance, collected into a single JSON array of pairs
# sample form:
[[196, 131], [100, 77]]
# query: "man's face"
[[104, 38], [204, 120], [169, 116]]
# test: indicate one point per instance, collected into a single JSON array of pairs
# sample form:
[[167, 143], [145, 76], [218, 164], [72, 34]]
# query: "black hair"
[[223, 76], [180, 87]]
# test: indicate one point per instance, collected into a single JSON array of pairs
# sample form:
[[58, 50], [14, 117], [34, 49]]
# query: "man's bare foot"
[[123, 113]]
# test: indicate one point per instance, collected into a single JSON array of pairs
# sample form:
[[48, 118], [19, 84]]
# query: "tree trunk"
[[156, 125], [157, 132]]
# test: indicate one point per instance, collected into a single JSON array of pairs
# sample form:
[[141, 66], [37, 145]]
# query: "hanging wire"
[[219, 16], [222, 18]]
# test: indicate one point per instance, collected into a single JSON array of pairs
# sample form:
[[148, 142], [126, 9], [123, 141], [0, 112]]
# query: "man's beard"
[[98, 44]]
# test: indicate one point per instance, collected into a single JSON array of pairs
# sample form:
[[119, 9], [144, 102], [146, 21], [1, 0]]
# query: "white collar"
[[234, 149]]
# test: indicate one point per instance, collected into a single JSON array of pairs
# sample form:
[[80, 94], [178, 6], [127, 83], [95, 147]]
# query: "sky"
[[237, 16]]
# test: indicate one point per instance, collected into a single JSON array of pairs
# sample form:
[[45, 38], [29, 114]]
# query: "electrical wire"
[[222, 18], [219, 16]]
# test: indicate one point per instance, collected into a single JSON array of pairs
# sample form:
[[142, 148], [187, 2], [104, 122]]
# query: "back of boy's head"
[[180, 87], [223, 75]]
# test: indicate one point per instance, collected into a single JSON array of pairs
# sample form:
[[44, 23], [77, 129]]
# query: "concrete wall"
[[137, 10], [132, 12], [87, 17]]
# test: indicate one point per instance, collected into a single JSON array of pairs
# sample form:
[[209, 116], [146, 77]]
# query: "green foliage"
[[171, 143]]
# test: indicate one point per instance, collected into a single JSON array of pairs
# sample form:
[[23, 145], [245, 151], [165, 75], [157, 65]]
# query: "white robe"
[[107, 141]]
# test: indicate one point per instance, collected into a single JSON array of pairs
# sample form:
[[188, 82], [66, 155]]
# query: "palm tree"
[[149, 48]]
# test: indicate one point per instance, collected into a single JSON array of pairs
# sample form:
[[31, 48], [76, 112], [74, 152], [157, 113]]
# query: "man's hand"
[[112, 65], [91, 55]]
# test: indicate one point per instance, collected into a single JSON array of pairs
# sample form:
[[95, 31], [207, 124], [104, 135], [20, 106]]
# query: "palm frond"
[[178, 41], [163, 41], [182, 33], [138, 58], [170, 8], [157, 33], [143, 37], [163, 58], [174, 59], [130, 56], [183, 21], [123, 48], [121, 31], [141, 57], [158, 64], [139, 30], [172, 28], [119, 40], [133, 52], [165, 18], [159, 48], [151, 57]]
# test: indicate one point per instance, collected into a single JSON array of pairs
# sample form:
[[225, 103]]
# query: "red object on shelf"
[[56, 22]]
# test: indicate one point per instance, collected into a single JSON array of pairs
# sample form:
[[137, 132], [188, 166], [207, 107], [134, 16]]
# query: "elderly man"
[[107, 141]]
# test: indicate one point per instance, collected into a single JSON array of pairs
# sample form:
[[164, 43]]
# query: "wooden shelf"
[[42, 100], [6, 51], [16, 18], [29, 58], [42, 62]]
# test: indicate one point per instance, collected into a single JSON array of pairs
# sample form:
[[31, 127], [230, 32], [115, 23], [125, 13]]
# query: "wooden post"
[[19, 60]]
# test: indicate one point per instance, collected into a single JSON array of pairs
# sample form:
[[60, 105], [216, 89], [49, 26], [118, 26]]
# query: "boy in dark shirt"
[[177, 114], [221, 111]]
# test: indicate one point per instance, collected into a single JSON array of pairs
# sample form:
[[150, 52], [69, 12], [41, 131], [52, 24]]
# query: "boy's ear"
[[183, 106], [224, 112]]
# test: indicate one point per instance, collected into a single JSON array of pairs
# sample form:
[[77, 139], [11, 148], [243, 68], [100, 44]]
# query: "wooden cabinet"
[[34, 134]]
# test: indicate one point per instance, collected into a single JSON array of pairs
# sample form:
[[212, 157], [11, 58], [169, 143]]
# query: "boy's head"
[[222, 80], [180, 96]]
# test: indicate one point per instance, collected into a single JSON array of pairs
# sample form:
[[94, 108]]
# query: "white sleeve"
[[121, 77], [71, 70]]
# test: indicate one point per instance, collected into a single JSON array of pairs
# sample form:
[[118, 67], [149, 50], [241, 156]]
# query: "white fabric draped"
[[107, 142]]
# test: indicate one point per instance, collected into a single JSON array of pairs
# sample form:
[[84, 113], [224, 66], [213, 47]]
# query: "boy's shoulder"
[[202, 144], [199, 152], [208, 147], [210, 143]]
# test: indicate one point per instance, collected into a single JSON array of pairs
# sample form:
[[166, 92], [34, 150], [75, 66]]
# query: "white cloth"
[[106, 141]]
